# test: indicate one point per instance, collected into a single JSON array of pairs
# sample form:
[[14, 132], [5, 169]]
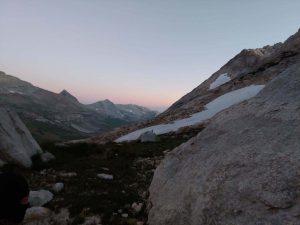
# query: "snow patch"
[[44, 120], [222, 79], [212, 109], [15, 92], [81, 129]]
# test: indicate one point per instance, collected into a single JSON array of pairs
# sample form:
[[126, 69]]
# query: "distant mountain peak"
[[108, 101], [67, 94], [128, 112], [9, 77], [2, 73], [64, 92]]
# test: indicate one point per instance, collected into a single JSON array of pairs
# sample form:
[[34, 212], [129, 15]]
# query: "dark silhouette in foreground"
[[14, 194]]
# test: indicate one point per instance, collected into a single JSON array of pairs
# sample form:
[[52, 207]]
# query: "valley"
[[60, 117], [226, 152]]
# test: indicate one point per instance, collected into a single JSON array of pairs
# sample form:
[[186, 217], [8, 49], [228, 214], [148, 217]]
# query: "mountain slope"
[[250, 67], [211, 109], [130, 113], [242, 169], [52, 116], [47, 113]]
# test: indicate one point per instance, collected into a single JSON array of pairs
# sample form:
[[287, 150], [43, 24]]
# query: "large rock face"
[[16, 143], [243, 169]]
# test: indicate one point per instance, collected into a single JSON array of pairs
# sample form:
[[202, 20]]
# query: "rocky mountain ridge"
[[249, 67], [129, 112], [54, 117], [241, 169]]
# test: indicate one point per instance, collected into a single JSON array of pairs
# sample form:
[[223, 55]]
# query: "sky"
[[143, 52]]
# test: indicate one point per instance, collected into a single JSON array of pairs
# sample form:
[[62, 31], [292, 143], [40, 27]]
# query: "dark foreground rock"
[[243, 169]]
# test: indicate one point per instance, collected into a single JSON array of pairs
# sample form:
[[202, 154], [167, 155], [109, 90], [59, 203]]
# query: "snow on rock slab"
[[81, 129], [40, 198], [212, 109], [242, 169], [148, 136], [105, 176], [222, 79], [58, 187], [16, 142]]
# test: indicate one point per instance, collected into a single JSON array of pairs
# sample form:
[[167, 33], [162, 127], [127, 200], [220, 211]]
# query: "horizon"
[[85, 103], [148, 54]]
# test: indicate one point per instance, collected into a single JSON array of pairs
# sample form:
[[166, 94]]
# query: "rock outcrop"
[[243, 169], [16, 143]]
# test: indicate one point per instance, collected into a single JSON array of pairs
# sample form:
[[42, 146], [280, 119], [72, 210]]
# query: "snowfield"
[[222, 79], [81, 129], [212, 109]]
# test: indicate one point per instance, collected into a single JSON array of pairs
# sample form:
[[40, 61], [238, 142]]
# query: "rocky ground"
[[103, 184]]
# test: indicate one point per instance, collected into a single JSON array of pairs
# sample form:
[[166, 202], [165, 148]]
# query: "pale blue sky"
[[134, 51]]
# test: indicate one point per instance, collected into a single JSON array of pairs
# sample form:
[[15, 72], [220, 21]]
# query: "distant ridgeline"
[[55, 117]]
